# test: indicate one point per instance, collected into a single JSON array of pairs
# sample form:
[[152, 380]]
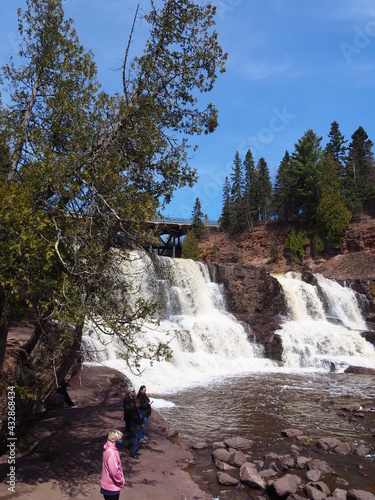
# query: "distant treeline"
[[313, 185]]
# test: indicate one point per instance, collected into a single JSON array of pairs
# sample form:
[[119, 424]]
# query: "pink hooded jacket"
[[112, 475]]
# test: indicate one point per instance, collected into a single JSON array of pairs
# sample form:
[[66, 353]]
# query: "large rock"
[[360, 370], [227, 479], [237, 457], [250, 476], [239, 443], [314, 493], [359, 495], [286, 485], [221, 454]]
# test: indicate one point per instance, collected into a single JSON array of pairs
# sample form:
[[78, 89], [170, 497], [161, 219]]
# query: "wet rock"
[[342, 481], [291, 432], [223, 465], [270, 456], [360, 370], [295, 449], [239, 443], [285, 462], [200, 446], [286, 485], [218, 444], [221, 454], [313, 475], [250, 476], [237, 457], [301, 462], [267, 473], [322, 487], [314, 493], [320, 465], [359, 495], [362, 451], [227, 479], [339, 494]]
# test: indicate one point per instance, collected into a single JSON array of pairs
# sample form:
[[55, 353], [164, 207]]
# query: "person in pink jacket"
[[112, 476]]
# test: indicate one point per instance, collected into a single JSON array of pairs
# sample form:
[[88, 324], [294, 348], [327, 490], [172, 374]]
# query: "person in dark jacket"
[[128, 400], [134, 426], [61, 389], [145, 409]]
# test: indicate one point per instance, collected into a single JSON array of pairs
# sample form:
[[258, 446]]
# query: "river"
[[218, 384]]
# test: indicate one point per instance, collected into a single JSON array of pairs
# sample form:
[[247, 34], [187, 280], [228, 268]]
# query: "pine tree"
[[250, 190], [283, 197], [306, 168], [264, 186], [197, 224], [359, 181], [226, 214], [332, 214], [237, 188], [190, 248]]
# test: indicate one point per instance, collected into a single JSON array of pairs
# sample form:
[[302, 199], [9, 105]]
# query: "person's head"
[[114, 435], [142, 390], [136, 403], [131, 391]]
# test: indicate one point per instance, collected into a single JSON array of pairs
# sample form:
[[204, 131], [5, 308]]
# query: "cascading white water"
[[207, 342], [309, 339]]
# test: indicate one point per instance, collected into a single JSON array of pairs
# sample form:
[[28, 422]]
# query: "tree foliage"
[[332, 215], [197, 224], [190, 247], [84, 166]]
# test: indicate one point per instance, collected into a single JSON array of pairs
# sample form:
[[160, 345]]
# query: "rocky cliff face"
[[245, 268]]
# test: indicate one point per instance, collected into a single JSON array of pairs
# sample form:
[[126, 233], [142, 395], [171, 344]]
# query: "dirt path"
[[60, 456]]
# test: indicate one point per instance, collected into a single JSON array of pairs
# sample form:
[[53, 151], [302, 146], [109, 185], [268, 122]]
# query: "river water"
[[218, 384], [259, 406]]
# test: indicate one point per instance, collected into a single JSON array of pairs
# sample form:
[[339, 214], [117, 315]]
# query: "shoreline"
[[60, 454]]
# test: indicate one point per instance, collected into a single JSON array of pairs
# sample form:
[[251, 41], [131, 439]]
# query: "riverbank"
[[60, 455]]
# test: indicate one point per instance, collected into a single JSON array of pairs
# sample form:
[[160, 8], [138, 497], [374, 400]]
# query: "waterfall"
[[321, 331], [310, 339], [207, 342]]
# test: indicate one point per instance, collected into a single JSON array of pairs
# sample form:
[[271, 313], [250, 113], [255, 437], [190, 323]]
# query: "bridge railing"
[[179, 220]]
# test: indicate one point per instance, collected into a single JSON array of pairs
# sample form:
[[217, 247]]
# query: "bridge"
[[168, 232]]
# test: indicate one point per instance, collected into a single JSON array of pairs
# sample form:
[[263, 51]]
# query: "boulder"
[[286, 485], [320, 465], [221, 454], [291, 432], [218, 444], [200, 446], [227, 479], [301, 462], [322, 487], [359, 495], [339, 494], [237, 457], [285, 462], [362, 451], [313, 475], [250, 476], [223, 465], [360, 370], [267, 473], [328, 443], [314, 493], [239, 443]]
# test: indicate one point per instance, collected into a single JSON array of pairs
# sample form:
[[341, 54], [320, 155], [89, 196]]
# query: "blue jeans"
[[142, 433], [134, 445]]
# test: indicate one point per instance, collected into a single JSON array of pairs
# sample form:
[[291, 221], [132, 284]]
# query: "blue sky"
[[292, 65]]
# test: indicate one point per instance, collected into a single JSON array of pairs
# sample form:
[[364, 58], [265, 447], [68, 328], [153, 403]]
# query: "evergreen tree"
[[226, 214], [190, 248], [283, 197], [237, 188], [336, 145], [359, 181], [306, 169], [264, 186], [250, 190], [197, 224], [332, 215], [4, 158], [84, 166]]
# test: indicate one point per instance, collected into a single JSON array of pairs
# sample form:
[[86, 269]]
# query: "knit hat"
[[131, 389]]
